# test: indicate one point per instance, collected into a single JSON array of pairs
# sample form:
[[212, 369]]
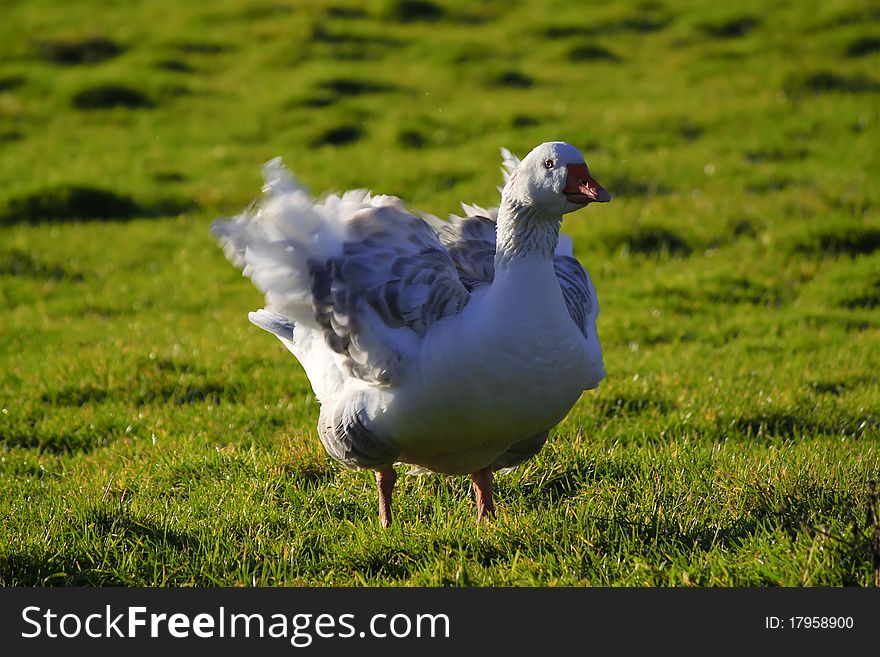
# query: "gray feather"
[[348, 436], [273, 322]]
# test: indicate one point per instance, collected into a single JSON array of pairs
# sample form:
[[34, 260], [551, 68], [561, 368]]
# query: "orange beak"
[[582, 188]]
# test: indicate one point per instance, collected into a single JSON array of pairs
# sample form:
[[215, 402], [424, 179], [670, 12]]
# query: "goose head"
[[554, 179]]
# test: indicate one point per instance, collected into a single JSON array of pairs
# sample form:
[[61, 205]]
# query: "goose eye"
[[549, 163]]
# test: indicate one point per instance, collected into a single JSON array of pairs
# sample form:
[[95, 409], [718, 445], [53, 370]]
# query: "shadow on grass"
[[649, 240], [411, 11], [731, 28], [869, 300], [10, 136], [161, 381], [642, 23], [564, 484], [110, 96], [322, 34], [382, 561], [90, 50], [265, 10], [338, 136], [203, 47], [852, 240], [787, 154], [862, 15], [20, 264], [120, 533], [79, 436], [122, 525], [837, 387], [11, 82], [353, 46], [656, 540], [847, 323], [307, 473], [723, 289], [866, 45], [354, 87], [177, 393], [511, 79], [48, 568], [524, 121], [334, 90], [623, 185], [411, 138], [175, 65], [64, 203], [627, 406], [591, 52], [789, 426], [826, 82], [771, 185]]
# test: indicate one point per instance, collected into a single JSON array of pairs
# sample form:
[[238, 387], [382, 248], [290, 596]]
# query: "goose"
[[452, 346]]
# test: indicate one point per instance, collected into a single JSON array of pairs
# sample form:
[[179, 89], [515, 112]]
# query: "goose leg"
[[385, 480], [483, 492]]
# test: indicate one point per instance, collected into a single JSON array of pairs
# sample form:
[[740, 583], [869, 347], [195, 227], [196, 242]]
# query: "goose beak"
[[582, 188]]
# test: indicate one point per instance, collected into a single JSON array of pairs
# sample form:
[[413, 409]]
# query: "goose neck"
[[524, 232]]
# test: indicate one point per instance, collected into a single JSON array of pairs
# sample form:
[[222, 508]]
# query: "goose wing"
[[363, 271]]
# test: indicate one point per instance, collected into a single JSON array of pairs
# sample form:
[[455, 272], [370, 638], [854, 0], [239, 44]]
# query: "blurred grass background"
[[149, 435]]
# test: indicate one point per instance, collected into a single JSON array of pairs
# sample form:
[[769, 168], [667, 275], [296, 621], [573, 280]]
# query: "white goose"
[[451, 346]]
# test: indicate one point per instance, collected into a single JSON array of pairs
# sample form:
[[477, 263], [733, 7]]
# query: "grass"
[[150, 436]]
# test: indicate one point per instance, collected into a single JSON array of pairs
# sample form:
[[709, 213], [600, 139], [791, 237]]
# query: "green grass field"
[[149, 435]]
